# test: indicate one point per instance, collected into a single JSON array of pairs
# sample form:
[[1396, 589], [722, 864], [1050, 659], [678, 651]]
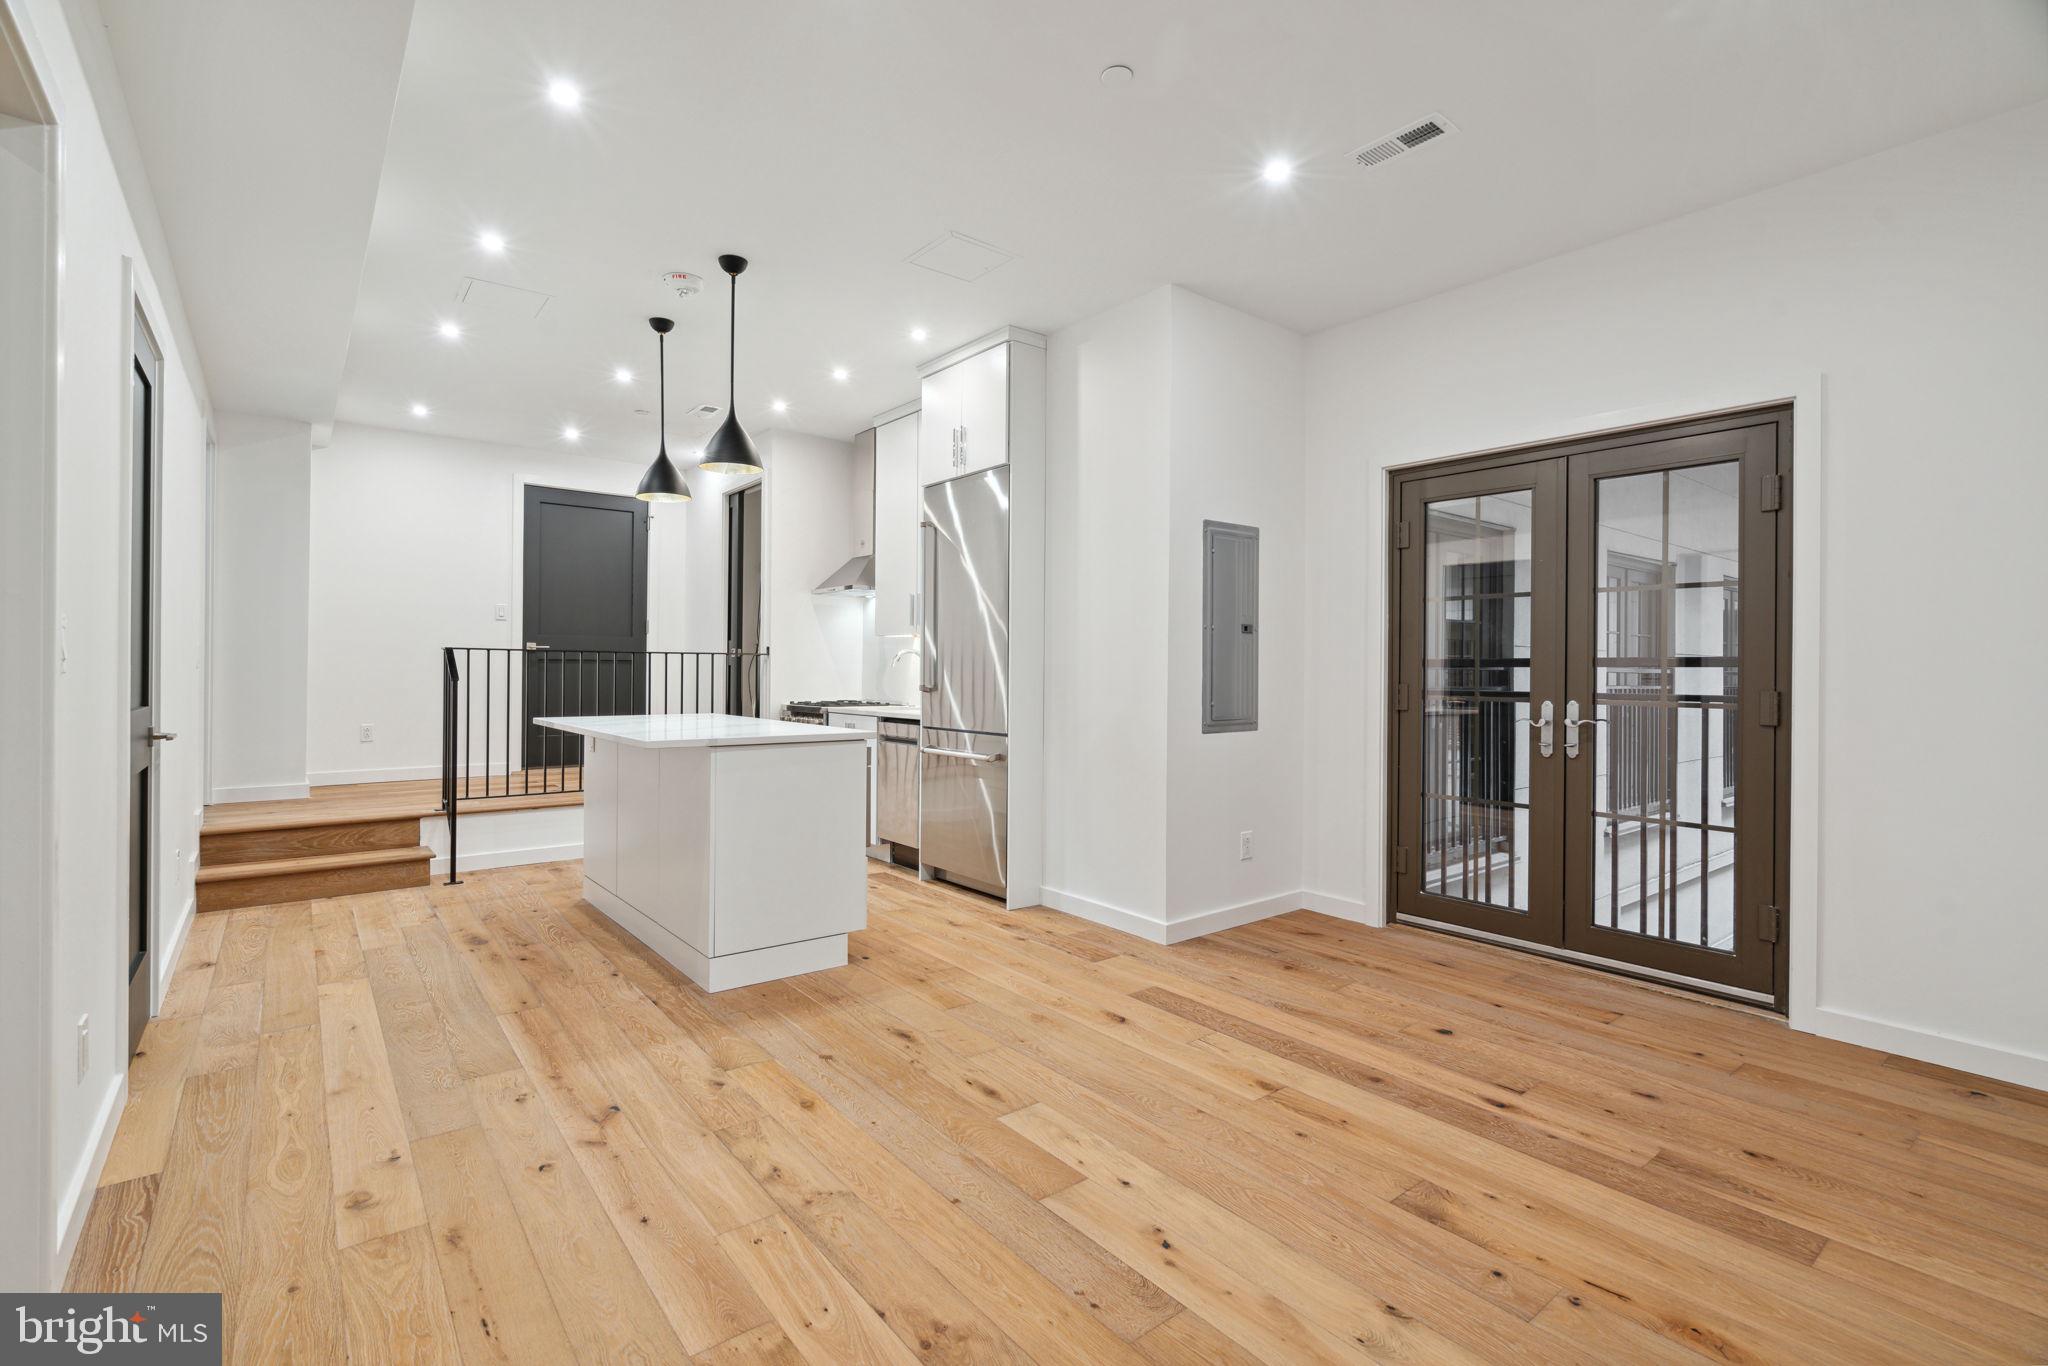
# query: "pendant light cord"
[[661, 368], [732, 346]]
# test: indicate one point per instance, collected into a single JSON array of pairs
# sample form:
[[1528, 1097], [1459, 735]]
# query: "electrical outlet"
[[84, 1045], [1244, 845], [366, 734]]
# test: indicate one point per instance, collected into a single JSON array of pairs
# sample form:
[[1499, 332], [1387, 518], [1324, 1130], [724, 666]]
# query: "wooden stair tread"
[[314, 863], [312, 818]]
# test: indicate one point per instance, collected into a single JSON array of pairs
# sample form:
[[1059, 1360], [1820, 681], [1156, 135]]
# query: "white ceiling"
[[829, 140], [262, 124]]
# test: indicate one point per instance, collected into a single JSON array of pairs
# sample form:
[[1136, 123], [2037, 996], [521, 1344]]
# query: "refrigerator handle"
[[927, 657]]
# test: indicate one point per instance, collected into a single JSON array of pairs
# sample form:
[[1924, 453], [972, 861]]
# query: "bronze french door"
[[1588, 722]]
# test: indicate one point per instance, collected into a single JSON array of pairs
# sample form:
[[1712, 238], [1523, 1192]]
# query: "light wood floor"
[[478, 1123], [411, 797]]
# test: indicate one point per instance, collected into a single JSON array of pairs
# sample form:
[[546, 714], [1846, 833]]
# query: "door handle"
[[1542, 724], [1571, 728], [965, 754], [531, 645], [927, 660], [163, 735]]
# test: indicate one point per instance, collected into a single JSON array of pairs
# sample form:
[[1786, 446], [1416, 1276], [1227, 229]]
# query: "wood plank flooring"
[[479, 1124], [409, 798]]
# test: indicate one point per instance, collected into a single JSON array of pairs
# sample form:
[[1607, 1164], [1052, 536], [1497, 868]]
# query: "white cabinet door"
[[983, 387], [896, 514], [788, 860], [938, 425], [864, 493]]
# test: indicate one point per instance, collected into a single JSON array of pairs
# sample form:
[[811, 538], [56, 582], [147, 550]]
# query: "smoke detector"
[[682, 282], [1420, 133]]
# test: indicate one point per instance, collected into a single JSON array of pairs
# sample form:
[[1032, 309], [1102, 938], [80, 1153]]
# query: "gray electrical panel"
[[1230, 627]]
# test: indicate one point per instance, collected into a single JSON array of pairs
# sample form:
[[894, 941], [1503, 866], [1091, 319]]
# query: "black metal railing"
[[492, 697]]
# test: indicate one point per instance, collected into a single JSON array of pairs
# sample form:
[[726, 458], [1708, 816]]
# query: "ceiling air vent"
[[1432, 129]]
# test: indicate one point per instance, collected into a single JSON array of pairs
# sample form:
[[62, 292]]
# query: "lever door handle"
[[1572, 722], [163, 735], [1541, 723]]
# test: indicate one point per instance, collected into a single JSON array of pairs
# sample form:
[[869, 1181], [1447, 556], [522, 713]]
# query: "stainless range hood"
[[855, 577]]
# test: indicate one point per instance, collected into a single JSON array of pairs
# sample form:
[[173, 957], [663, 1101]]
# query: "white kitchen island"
[[733, 847]]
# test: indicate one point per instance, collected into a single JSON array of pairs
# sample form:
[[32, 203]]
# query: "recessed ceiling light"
[[451, 330], [564, 94], [491, 241], [1277, 171], [918, 334], [622, 375], [572, 434], [780, 405], [420, 410], [840, 373]]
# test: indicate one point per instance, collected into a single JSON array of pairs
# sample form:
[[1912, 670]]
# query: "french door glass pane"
[[1666, 581], [1478, 579]]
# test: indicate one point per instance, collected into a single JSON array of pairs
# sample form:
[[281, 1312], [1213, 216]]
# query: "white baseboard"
[[340, 777], [1341, 908], [173, 945], [280, 792], [1171, 931], [1967, 1055], [508, 858], [76, 1203]]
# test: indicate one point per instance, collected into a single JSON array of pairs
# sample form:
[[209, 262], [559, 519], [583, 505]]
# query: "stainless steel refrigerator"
[[965, 553]]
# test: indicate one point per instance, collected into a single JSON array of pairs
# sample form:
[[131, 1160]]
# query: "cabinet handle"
[[967, 754]]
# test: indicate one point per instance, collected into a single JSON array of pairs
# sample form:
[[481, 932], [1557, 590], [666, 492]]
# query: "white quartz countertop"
[[698, 731], [893, 713]]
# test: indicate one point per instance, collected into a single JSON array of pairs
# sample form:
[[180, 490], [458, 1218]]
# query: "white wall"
[[262, 511], [1903, 301], [1164, 412], [107, 242], [815, 642], [1236, 437], [415, 544], [1106, 478]]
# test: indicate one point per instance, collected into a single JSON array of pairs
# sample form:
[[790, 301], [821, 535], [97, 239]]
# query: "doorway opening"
[[743, 597], [1590, 752]]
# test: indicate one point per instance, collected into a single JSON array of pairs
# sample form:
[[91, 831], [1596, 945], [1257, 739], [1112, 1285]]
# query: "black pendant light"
[[663, 482], [730, 450]]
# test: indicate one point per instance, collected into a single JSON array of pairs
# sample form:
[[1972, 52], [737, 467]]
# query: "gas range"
[[813, 713]]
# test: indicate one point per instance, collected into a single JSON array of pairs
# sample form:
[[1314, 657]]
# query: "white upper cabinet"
[[938, 427], [896, 513], [864, 506], [984, 390], [966, 424]]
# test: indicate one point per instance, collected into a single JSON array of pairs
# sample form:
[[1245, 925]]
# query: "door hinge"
[[1400, 697], [1773, 924], [1773, 709], [1400, 535], [1774, 492], [1400, 860]]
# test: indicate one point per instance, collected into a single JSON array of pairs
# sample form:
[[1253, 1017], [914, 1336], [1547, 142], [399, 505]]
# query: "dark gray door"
[[585, 610], [143, 382]]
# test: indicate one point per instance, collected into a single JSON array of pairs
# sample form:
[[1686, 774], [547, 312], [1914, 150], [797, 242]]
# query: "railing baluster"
[[696, 672]]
